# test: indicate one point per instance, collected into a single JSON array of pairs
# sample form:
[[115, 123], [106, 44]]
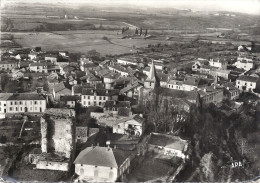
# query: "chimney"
[[227, 88], [205, 90]]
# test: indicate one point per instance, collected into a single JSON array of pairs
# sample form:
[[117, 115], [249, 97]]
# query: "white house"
[[132, 125], [127, 61], [168, 145], [52, 58], [175, 84], [98, 97], [247, 83], [22, 102], [32, 56], [39, 67], [102, 164], [245, 64], [218, 63], [8, 65]]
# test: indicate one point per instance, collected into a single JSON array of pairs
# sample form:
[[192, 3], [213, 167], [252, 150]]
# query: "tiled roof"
[[111, 75], [77, 88], [9, 62], [69, 98], [100, 92], [60, 112], [175, 82], [102, 156], [81, 131], [40, 64], [209, 90], [26, 96], [129, 87], [169, 141], [60, 88], [135, 117], [90, 65], [247, 78], [5, 96]]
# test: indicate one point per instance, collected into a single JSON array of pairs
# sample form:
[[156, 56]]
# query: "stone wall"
[[58, 132], [51, 165]]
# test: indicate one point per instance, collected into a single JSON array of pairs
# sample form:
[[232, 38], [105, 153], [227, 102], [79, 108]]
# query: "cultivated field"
[[83, 41]]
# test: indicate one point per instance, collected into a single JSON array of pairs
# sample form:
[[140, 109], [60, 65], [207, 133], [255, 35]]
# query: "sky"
[[242, 6]]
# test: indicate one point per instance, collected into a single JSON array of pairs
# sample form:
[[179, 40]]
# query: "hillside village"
[[86, 118]]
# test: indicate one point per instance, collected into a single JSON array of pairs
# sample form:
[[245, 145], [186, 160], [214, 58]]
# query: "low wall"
[[50, 165]]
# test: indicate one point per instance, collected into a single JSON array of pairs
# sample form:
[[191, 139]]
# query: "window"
[[21, 102], [100, 98], [84, 102], [16, 108], [118, 126], [94, 97], [150, 83], [11, 103], [15, 103], [99, 103], [10, 108], [88, 97], [40, 102], [35, 102], [104, 98], [88, 103]]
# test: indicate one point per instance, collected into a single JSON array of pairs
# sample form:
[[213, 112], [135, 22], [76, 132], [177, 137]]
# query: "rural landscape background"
[[178, 36]]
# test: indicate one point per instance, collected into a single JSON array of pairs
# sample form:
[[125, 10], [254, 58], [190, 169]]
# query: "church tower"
[[152, 80]]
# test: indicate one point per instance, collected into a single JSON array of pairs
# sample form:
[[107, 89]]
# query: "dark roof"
[[110, 104], [247, 78], [90, 65], [100, 92], [77, 88], [26, 96], [162, 77], [69, 98]]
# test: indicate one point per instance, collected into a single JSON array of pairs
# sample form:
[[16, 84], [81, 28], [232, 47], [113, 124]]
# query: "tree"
[[136, 31], [93, 53], [141, 31], [146, 32], [4, 80], [3, 139], [46, 86]]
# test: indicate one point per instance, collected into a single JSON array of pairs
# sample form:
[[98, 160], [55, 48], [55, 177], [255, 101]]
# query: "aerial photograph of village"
[[130, 91]]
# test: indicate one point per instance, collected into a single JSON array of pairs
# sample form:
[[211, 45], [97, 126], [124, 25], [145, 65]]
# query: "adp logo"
[[233, 164]]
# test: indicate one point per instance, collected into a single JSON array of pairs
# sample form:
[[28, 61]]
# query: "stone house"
[[211, 94], [98, 97], [247, 83], [132, 125], [102, 164], [22, 102], [168, 145]]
